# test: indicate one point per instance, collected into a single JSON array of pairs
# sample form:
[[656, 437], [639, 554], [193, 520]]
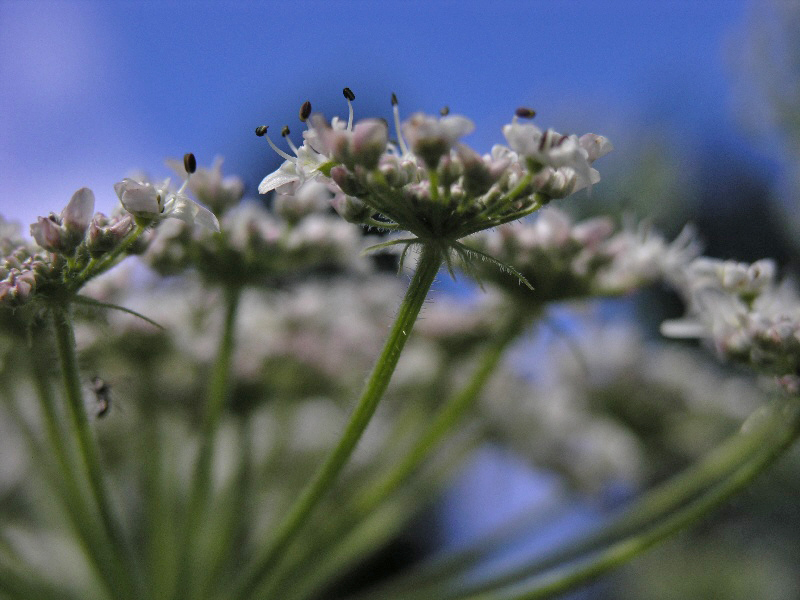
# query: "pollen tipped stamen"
[[349, 96], [278, 150], [396, 113], [285, 134], [305, 111]]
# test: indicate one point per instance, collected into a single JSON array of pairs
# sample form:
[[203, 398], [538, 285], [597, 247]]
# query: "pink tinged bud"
[[346, 181], [430, 138], [78, 213], [351, 209], [47, 234], [368, 142]]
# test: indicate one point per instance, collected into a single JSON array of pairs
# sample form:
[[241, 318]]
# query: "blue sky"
[[93, 90]]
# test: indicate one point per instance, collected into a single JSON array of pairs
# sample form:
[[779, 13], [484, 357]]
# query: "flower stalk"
[[429, 263], [88, 452]]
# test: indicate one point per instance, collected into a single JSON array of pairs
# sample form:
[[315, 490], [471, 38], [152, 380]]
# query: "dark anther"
[[525, 113], [394, 99], [261, 130], [444, 111], [189, 163], [348, 93], [285, 130], [305, 111]]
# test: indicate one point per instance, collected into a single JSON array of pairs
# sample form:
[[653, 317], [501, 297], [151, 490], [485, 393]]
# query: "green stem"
[[373, 532], [443, 422], [98, 266], [629, 547], [655, 507], [201, 481], [448, 416], [62, 477], [429, 263], [80, 431]]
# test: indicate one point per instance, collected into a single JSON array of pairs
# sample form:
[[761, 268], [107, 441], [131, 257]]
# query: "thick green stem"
[[77, 502], [429, 263], [201, 482], [89, 455], [443, 422]]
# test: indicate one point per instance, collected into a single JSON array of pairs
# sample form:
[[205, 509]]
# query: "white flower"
[[147, 201], [431, 138], [303, 165], [566, 154]]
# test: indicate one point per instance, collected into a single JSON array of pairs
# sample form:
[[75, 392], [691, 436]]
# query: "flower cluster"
[[253, 244], [429, 183], [745, 313], [563, 259], [79, 244]]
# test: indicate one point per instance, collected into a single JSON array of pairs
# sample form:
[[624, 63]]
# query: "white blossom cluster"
[[745, 313], [429, 183], [564, 260], [79, 244], [614, 407]]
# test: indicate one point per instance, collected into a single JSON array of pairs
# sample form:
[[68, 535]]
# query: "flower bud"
[[351, 209], [430, 138], [48, 233], [78, 212]]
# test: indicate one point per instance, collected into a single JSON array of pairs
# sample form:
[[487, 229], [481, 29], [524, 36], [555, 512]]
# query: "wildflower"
[[430, 184], [210, 187], [565, 159], [744, 313], [151, 203], [564, 260]]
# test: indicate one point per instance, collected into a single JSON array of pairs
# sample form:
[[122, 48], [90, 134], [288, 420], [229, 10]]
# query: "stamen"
[[305, 111], [350, 96], [189, 163], [523, 112], [444, 111], [262, 132], [285, 134], [396, 113]]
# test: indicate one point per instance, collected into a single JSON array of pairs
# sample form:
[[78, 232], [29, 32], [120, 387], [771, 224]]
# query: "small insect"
[[102, 394]]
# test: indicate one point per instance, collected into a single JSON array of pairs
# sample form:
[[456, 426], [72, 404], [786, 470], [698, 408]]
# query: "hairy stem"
[[429, 263], [87, 449]]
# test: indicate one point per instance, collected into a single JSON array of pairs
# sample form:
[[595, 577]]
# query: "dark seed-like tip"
[[394, 99], [285, 130], [523, 112], [444, 111], [348, 93], [305, 111], [261, 130], [189, 163]]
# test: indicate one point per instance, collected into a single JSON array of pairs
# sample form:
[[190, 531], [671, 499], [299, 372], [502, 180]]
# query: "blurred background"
[[701, 100]]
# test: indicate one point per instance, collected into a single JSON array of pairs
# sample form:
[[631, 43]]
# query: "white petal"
[[276, 179], [187, 210]]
